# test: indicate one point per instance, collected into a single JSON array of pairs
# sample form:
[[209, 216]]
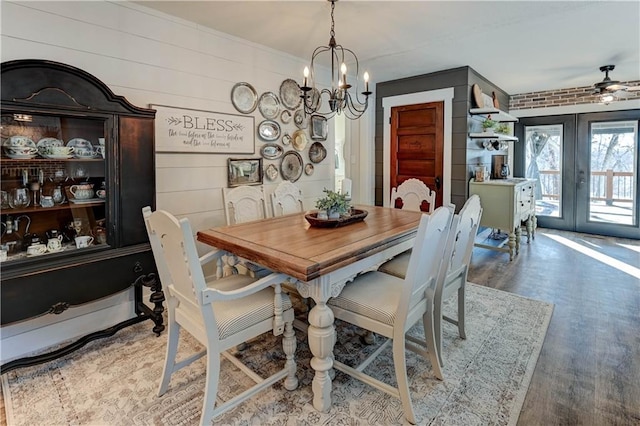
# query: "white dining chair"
[[220, 313], [245, 204], [286, 199], [390, 306], [413, 194], [456, 266]]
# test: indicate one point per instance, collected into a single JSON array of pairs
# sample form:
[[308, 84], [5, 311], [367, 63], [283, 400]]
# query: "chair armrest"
[[209, 295], [211, 255]]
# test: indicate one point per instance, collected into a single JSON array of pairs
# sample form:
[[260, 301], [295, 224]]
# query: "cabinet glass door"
[[54, 185]]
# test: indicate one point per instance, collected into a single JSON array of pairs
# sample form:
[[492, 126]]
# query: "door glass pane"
[[612, 172], [544, 163]]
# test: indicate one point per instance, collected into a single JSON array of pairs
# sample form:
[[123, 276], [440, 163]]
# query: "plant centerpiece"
[[334, 204], [488, 124]]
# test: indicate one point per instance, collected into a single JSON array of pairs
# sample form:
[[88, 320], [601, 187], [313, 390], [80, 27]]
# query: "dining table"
[[320, 261]]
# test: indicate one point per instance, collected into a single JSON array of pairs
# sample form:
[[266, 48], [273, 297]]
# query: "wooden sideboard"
[[507, 203]]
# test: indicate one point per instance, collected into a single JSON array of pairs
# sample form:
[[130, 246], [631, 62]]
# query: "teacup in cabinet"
[[82, 191]]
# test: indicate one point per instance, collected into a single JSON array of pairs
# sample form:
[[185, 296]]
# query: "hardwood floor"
[[588, 372]]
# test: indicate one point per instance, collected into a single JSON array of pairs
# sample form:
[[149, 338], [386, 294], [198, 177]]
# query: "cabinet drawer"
[[29, 295]]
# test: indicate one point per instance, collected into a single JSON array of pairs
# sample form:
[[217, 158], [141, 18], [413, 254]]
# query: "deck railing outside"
[[607, 185]]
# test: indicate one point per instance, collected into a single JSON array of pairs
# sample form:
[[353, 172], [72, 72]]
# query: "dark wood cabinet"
[[96, 190]]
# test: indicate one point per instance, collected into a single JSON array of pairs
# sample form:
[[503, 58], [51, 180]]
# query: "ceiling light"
[[340, 99]]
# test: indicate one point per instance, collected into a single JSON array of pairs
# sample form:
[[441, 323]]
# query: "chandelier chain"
[[332, 33]]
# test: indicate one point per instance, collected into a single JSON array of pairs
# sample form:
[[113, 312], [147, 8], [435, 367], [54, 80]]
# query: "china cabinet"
[[506, 204], [77, 167]]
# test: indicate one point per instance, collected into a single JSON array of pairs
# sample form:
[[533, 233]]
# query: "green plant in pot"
[[503, 129], [333, 203], [488, 124]]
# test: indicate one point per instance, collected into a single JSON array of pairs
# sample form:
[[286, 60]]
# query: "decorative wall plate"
[[271, 151], [244, 97], [299, 140], [291, 166], [319, 127], [313, 99], [290, 94], [286, 139], [285, 116], [317, 152], [271, 172], [300, 119], [269, 105], [269, 130], [308, 169]]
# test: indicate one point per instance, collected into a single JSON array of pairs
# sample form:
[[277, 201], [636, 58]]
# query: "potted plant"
[[503, 128], [488, 124], [334, 204]]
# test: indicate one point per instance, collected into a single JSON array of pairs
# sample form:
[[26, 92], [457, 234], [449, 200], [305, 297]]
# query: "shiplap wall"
[[151, 58]]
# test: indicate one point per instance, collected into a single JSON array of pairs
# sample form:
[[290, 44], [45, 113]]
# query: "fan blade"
[[633, 89]]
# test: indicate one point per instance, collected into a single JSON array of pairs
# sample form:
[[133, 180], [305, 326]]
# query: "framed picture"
[[318, 128], [245, 171]]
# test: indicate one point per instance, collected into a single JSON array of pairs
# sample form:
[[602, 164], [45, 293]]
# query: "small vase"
[[489, 131], [334, 215], [322, 214]]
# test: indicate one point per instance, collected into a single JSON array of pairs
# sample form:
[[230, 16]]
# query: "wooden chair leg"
[[210, 388], [461, 299], [173, 337], [428, 323], [399, 363]]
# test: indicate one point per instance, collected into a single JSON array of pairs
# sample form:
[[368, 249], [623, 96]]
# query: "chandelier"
[[340, 98]]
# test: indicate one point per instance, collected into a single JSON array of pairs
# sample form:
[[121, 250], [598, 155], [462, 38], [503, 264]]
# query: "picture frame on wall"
[[318, 128], [244, 171]]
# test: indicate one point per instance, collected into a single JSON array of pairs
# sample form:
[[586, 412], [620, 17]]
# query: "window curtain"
[[536, 142]]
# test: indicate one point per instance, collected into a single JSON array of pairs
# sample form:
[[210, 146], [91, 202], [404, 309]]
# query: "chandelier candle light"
[[340, 99]]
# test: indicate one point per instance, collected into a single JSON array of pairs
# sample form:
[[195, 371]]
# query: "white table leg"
[[322, 337], [518, 238]]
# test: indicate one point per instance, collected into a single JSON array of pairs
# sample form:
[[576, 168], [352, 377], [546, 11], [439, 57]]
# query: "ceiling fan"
[[610, 86]]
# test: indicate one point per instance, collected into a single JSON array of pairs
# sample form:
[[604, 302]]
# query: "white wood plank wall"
[[152, 58]]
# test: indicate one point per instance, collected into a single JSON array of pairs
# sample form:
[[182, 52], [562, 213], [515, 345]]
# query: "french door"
[[586, 166]]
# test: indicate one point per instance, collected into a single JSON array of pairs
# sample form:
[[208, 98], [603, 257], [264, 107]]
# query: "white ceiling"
[[521, 46]]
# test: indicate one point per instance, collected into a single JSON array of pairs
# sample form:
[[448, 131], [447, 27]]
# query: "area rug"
[[114, 381]]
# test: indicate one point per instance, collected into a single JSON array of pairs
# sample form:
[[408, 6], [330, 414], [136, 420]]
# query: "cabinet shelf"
[[493, 136], [495, 113], [51, 160], [38, 209]]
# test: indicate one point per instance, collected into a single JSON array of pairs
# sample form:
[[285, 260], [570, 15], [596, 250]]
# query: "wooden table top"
[[288, 244]]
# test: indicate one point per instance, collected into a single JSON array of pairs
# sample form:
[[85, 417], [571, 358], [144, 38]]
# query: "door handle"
[[581, 178], [438, 182]]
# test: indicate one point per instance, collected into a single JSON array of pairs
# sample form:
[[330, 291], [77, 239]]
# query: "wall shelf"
[[495, 113], [493, 136]]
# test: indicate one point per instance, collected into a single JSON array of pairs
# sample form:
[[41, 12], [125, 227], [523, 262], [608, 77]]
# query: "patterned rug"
[[114, 381]]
